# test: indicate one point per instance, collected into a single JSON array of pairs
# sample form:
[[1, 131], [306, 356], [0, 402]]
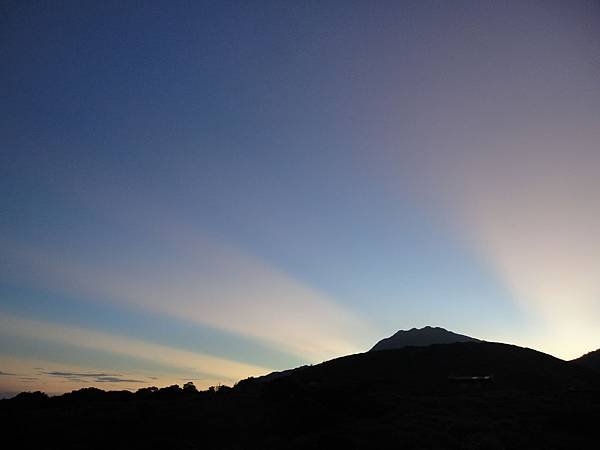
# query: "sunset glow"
[[212, 191]]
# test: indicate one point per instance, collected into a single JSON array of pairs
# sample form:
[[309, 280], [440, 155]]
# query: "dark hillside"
[[590, 360], [412, 398], [425, 368]]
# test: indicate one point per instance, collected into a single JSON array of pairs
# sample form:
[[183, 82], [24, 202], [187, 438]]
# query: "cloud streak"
[[195, 363], [97, 377], [61, 377], [206, 281]]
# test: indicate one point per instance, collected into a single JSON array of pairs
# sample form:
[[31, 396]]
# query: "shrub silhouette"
[[190, 388]]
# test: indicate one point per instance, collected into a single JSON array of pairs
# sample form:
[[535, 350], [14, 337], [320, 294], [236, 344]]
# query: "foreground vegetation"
[[413, 398]]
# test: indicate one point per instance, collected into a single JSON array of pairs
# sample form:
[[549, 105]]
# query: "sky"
[[206, 191]]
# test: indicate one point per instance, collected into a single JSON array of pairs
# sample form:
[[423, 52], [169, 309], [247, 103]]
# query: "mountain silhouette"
[[590, 360], [437, 366], [420, 337], [462, 396]]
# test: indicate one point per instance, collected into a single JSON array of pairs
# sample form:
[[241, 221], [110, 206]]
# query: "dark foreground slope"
[[412, 398], [590, 360]]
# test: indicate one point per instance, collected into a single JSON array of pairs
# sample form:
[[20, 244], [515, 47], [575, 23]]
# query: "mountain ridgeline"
[[438, 390], [420, 337], [590, 360]]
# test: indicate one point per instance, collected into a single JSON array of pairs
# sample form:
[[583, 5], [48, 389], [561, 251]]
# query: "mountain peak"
[[420, 337]]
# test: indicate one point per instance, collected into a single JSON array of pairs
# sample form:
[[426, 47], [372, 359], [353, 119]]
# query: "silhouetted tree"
[[190, 387]]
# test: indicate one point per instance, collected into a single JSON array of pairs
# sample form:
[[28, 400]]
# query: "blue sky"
[[210, 190]]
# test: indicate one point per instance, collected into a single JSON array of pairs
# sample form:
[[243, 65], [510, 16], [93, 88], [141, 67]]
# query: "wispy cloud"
[[206, 281], [195, 363], [97, 377], [28, 379], [76, 375], [118, 380], [57, 378]]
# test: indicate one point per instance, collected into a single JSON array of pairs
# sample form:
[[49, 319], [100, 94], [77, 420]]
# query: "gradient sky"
[[211, 190]]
